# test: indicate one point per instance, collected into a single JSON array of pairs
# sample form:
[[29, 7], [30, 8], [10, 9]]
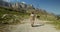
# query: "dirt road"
[[27, 27]]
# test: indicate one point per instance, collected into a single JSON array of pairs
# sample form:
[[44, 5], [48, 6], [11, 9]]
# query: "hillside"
[[22, 11], [10, 16]]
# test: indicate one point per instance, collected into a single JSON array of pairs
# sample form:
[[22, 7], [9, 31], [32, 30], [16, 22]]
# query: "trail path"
[[27, 27]]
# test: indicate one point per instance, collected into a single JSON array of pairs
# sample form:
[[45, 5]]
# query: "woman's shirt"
[[32, 16]]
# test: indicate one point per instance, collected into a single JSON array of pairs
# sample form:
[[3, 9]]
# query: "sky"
[[51, 6]]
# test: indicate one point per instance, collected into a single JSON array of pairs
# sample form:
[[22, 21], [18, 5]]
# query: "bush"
[[10, 19]]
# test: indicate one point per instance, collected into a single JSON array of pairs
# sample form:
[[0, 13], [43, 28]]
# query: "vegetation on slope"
[[9, 16]]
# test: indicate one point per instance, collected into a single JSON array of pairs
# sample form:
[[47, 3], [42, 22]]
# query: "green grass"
[[52, 20], [56, 24], [10, 17]]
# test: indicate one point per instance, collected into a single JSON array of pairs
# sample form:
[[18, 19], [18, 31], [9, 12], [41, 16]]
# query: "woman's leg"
[[32, 23]]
